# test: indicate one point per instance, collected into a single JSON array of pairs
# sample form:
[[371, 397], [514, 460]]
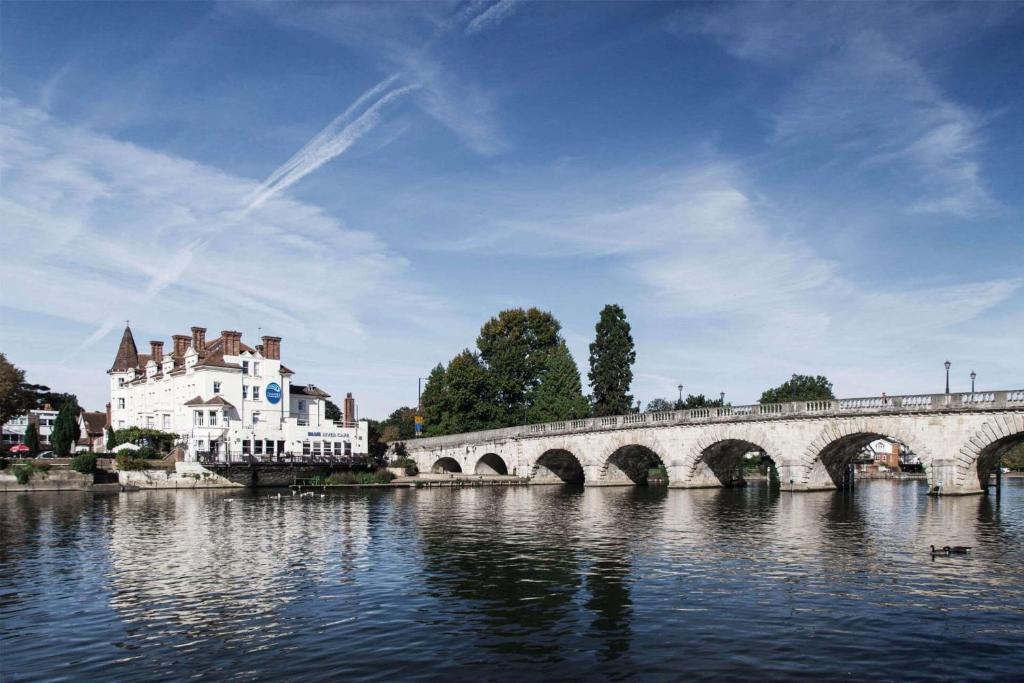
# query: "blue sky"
[[766, 188]]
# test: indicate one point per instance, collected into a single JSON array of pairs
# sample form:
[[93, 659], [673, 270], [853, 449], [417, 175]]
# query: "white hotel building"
[[226, 399]]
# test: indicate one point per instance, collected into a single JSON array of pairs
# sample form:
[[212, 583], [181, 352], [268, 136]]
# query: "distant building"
[[93, 427], [223, 397], [14, 429]]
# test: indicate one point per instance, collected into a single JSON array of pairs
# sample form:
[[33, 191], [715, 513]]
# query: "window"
[[198, 418], [257, 447], [149, 422], [302, 406], [256, 368], [120, 404], [348, 448], [120, 424], [305, 448], [255, 393], [337, 448], [120, 381], [316, 448], [245, 447], [167, 421], [216, 387], [270, 447], [213, 418], [245, 367], [245, 392], [256, 418], [199, 444]]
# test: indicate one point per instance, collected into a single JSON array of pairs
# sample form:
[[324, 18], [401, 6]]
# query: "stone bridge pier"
[[959, 438]]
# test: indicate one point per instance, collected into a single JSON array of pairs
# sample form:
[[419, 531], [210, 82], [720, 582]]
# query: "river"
[[512, 583]]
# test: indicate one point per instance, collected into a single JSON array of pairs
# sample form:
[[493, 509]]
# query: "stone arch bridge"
[[958, 437]]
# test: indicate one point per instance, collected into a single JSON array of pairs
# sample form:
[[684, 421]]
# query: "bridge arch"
[[631, 464], [984, 449], [446, 464], [557, 466], [717, 455], [491, 463], [837, 445]]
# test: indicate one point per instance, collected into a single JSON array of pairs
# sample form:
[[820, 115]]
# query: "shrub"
[[362, 478], [84, 463], [129, 460], [318, 480], [408, 463], [4, 463], [161, 441], [23, 471], [147, 453]]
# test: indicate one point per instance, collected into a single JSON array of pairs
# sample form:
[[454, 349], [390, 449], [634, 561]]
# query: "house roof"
[[127, 353], [95, 422], [215, 401], [308, 390]]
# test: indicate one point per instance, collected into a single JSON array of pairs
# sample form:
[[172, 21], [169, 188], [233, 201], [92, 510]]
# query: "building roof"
[[95, 422], [127, 354], [215, 401], [308, 390]]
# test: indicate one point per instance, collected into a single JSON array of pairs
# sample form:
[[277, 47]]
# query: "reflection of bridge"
[[959, 438]]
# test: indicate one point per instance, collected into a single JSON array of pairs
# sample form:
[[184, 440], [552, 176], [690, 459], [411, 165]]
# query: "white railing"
[[984, 400]]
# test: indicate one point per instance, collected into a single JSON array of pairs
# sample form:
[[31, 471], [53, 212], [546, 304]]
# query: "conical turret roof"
[[127, 353]]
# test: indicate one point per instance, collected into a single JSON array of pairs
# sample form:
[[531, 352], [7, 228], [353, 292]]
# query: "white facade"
[[14, 429], [226, 400]]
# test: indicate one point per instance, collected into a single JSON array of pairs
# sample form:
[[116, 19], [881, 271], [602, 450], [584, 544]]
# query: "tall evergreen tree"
[[63, 434], [110, 438], [434, 403], [32, 438], [559, 396], [513, 346], [611, 363]]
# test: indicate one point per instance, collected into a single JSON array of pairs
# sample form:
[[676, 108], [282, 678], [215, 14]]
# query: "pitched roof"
[[127, 354], [215, 401], [308, 390], [95, 422], [197, 401]]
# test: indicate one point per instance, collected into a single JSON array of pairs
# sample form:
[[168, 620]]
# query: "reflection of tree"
[[515, 578]]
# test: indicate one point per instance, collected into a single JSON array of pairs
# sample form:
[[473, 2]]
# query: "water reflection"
[[441, 582]]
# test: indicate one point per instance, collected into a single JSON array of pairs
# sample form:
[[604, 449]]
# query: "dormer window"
[[120, 381], [216, 387]]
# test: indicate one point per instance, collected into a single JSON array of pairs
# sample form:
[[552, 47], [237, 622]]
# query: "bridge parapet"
[[889, 405]]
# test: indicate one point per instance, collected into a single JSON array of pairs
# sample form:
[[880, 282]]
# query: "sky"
[[766, 188]]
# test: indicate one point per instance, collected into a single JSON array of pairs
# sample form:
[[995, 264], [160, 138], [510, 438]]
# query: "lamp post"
[[947, 364], [638, 406], [721, 398], [973, 375], [679, 404], [792, 388]]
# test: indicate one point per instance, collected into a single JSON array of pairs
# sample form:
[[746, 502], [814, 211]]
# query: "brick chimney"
[[271, 347], [232, 342], [349, 416], [180, 342], [157, 348], [199, 339]]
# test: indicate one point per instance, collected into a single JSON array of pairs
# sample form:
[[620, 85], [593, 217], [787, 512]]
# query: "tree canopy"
[[559, 395], [15, 398], [332, 411], [62, 436], [800, 388], [611, 363]]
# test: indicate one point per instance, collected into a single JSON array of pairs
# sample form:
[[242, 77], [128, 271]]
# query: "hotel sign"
[[273, 393]]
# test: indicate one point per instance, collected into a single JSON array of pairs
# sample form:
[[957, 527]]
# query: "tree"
[[513, 347], [63, 434], [559, 395], [32, 438], [611, 363], [400, 425], [1014, 458], [332, 411], [800, 388], [660, 405], [15, 400], [700, 401], [110, 438], [43, 396], [470, 397], [376, 446], [433, 402]]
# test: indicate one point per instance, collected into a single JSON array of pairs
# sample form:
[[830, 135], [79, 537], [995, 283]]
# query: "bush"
[[129, 460], [147, 453], [23, 471], [159, 440], [362, 478], [4, 463], [408, 463], [84, 463]]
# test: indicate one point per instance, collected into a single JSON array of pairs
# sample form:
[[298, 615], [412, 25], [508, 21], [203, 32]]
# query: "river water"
[[512, 584]]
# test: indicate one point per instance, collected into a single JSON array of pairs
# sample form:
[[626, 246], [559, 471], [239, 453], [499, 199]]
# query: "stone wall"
[[54, 480], [185, 475]]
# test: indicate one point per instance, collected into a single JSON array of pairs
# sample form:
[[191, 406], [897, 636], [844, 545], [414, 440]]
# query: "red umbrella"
[[19, 448]]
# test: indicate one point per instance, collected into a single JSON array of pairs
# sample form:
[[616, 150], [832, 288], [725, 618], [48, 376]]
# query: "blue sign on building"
[[273, 393]]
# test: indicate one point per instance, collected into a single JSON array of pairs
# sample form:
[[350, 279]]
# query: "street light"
[[680, 387], [792, 388], [973, 375], [638, 406], [721, 398], [947, 364]]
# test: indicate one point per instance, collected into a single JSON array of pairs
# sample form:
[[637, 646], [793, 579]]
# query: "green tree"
[[63, 434], [1014, 458], [559, 395], [800, 388], [611, 363], [433, 402], [400, 425], [470, 397], [32, 438], [660, 405], [15, 400], [700, 401], [513, 346], [110, 438], [332, 411]]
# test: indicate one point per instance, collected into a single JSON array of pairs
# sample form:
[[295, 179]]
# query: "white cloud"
[[491, 17], [107, 231]]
